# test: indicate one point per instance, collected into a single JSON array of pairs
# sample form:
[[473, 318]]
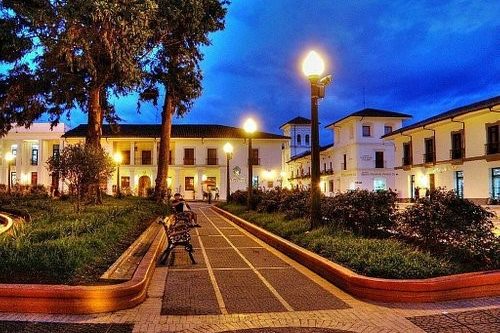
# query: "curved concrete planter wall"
[[83, 299], [452, 287]]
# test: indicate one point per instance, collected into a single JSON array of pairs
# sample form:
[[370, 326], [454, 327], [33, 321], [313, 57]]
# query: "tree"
[[182, 27], [81, 166], [86, 49]]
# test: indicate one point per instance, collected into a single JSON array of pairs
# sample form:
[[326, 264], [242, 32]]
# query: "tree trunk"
[[94, 134], [163, 155]]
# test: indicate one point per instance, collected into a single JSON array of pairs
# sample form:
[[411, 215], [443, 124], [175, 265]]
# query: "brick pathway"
[[240, 284]]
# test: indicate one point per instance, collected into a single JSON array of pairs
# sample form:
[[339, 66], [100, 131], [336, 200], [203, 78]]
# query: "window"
[[387, 129], [379, 184], [407, 160], [189, 183], [330, 186], [457, 151], [34, 178], [324, 167], [126, 157], [146, 157], [307, 139], [366, 130], [56, 151], [13, 178], [495, 182], [188, 156], [255, 156], [429, 150], [34, 155], [125, 182], [493, 140], [211, 156], [255, 182], [432, 182], [379, 159], [331, 166], [170, 160], [344, 165], [459, 183], [270, 184], [13, 150]]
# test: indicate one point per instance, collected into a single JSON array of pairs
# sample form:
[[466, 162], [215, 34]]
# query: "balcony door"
[[493, 140]]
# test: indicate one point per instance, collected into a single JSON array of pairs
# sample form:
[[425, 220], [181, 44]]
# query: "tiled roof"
[[178, 131], [488, 103], [308, 152], [298, 121], [373, 113]]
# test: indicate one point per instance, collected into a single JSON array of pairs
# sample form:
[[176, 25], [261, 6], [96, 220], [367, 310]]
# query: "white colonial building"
[[359, 157], [196, 157], [458, 149], [31, 147]]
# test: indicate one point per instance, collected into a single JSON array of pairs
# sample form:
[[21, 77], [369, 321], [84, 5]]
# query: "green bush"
[[364, 212], [458, 227]]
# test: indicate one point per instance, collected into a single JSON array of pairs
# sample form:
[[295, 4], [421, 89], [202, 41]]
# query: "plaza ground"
[[240, 284]]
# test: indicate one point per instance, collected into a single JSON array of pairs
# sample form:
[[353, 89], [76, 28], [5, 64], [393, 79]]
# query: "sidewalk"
[[240, 284]]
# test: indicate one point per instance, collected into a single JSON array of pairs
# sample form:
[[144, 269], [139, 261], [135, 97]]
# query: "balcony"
[[327, 172], [429, 157], [457, 153], [492, 148], [189, 161], [212, 161], [406, 161], [255, 161]]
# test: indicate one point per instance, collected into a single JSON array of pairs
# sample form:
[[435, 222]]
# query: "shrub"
[[363, 212], [458, 227]]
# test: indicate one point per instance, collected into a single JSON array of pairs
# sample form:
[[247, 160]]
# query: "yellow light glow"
[[269, 174], [423, 181], [204, 177], [250, 126], [9, 157], [118, 158], [313, 65], [24, 178], [169, 181], [228, 148], [322, 184], [283, 174]]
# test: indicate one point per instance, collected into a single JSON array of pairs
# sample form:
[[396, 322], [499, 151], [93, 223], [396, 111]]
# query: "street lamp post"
[[313, 67], [250, 127], [9, 157], [228, 149], [118, 158]]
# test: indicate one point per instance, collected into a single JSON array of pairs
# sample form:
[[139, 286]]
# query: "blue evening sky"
[[416, 57]]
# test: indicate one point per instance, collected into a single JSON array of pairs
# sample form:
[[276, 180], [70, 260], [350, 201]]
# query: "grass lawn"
[[61, 246], [385, 258]]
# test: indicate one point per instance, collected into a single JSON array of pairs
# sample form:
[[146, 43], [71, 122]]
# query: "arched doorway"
[[144, 184]]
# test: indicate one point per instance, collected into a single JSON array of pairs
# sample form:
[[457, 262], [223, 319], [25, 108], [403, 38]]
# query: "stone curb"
[[451, 287], [39, 298]]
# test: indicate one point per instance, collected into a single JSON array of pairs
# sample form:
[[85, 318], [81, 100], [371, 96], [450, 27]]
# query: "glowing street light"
[[313, 67], [118, 158], [250, 126], [228, 149], [9, 157]]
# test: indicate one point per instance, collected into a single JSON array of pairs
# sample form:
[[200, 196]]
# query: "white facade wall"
[[23, 141], [476, 166]]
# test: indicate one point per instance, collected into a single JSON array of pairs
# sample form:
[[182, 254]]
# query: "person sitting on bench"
[[181, 206]]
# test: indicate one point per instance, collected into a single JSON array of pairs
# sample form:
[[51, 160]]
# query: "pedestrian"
[[180, 206]]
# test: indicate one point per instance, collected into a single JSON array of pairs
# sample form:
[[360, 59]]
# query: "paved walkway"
[[240, 284]]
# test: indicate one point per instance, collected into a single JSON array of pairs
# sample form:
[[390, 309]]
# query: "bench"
[[177, 228]]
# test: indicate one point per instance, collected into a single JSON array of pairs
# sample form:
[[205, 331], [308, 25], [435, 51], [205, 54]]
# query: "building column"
[[199, 188], [132, 181], [132, 153], [223, 183], [155, 152], [19, 160]]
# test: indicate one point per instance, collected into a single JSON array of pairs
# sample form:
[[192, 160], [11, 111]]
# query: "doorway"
[[144, 184]]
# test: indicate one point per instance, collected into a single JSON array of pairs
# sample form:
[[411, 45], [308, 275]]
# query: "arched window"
[[299, 139], [307, 139]]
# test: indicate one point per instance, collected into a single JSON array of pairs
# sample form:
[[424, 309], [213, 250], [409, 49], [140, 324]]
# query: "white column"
[[19, 159], [155, 152], [199, 189], [132, 153], [223, 183]]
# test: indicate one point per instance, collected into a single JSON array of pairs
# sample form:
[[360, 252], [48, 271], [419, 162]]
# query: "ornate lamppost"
[[313, 67], [9, 157], [250, 126], [228, 149]]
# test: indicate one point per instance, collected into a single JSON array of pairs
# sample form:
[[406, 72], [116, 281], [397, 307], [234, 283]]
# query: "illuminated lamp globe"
[[250, 126], [313, 65], [228, 148]]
